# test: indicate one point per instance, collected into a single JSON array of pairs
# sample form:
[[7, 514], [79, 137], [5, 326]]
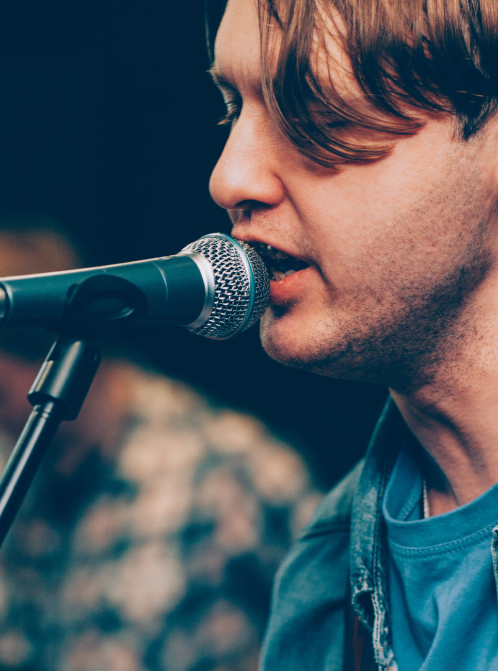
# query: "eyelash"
[[233, 111]]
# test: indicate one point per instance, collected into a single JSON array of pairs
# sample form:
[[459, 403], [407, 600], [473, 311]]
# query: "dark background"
[[108, 125]]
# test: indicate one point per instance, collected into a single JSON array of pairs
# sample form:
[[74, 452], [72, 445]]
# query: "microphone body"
[[194, 288], [173, 286]]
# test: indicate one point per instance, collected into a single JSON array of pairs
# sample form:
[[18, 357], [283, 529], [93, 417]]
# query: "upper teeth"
[[278, 263], [274, 253]]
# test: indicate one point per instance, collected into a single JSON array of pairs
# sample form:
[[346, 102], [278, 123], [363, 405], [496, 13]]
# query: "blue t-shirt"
[[443, 600]]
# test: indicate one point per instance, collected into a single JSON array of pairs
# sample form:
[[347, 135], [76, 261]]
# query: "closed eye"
[[232, 113], [231, 98]]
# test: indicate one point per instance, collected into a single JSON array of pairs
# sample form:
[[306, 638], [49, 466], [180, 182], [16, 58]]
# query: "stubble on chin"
[[401, 343]]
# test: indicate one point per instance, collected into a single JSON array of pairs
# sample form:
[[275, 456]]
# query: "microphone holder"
[[64, 380]]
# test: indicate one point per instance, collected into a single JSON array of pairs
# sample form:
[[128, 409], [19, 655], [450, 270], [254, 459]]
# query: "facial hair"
[[413, 330]]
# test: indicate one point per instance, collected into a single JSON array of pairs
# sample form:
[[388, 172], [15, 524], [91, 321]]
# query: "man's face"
[[396, 249]]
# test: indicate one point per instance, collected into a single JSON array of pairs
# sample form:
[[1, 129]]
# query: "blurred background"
[[108, 125]]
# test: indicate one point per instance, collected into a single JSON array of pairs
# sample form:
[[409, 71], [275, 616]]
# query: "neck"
[[454, 416]]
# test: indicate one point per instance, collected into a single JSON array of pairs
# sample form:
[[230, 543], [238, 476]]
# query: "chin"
[[298, 351], [318, 348], [287, 342]]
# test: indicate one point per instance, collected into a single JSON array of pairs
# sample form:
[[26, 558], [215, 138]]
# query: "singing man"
[[363, 163]]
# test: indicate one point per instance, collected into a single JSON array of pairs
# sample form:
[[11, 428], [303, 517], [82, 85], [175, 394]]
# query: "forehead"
[[237, 48]]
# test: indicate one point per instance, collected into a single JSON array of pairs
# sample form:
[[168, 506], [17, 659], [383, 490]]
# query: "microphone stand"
[[57, 394], [61, 386]]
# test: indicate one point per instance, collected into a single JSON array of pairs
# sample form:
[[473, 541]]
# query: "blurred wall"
[[108, 124]]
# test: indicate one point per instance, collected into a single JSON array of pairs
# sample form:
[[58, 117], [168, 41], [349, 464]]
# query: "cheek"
[[346, 218], [372, 225]]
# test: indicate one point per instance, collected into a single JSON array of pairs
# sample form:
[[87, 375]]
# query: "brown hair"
[[407, 56]]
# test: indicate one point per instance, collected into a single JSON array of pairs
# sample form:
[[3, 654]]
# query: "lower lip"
[[288, 291]]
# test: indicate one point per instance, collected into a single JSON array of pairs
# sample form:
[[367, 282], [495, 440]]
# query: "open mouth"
[[279, 264]]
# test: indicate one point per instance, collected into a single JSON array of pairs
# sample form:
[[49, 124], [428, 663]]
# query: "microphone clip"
[[101, 302]]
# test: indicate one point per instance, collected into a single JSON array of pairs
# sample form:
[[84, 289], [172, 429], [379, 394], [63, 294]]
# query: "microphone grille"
[[241, 281]]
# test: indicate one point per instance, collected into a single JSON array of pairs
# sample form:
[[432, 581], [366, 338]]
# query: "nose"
[[246, 174]]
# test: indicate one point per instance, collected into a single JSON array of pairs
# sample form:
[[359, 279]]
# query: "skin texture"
[[402, 287]]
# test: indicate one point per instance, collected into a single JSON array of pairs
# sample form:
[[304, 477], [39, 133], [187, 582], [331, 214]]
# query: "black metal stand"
[[93, 306], [57, 394]]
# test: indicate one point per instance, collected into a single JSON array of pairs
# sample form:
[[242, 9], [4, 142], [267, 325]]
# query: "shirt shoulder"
[[334, 512], [307, 621]]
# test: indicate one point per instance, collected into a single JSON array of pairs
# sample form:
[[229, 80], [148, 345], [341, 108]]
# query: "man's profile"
[[362, 162]]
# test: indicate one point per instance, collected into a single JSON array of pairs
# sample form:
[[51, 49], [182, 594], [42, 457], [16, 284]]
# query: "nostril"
[[247, 206]]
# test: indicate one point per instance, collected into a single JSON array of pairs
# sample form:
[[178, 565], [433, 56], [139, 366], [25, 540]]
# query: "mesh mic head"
[[241, 286]]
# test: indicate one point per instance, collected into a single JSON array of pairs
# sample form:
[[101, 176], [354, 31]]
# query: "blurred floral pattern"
[[156, 552]]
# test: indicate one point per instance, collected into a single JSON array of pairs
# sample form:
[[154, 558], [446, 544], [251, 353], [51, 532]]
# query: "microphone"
[[216, 287]]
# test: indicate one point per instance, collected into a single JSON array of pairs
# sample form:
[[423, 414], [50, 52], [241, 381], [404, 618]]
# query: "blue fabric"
[[311, 622], [368, 552], [312, 619], [307, 626], [443, 599]]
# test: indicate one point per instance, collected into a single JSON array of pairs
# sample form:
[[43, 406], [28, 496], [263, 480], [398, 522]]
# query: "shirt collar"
[[368, 559]]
